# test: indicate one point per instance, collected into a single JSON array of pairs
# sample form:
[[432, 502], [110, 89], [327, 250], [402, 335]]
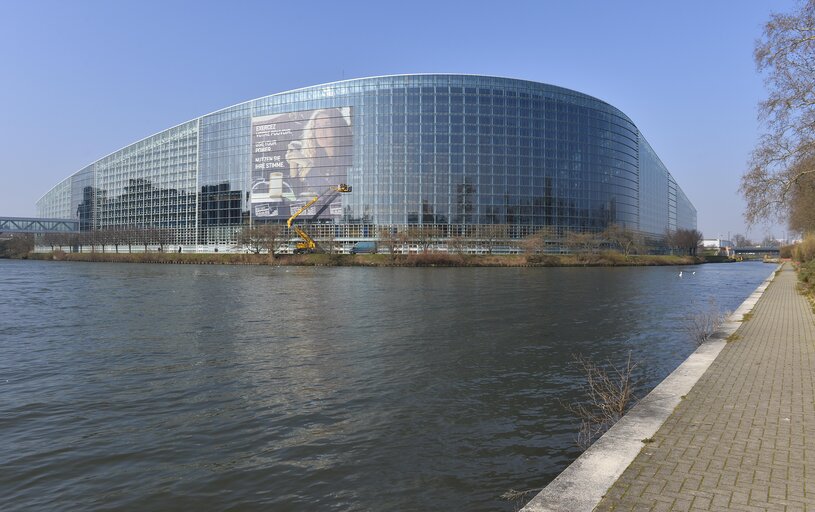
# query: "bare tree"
[[389, 238], [50, 239], [536, 242], [785, 154], [104, 237], [687, 240], [491, 235], [60, 240], [403, 240], [131, 237], [581, 243], [117, 236], [802, 205], [143, 236], [162, 236], [248, 238], [90, 238], [423, 235], [740, 240], [261, 237], [54, 242], [83, 239], [669, 240], [329, 244], [624, 239], [273, 234], [75, 241], [457, 244]]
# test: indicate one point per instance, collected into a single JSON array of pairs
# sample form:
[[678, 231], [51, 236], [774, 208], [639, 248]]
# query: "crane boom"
[[308, 244], [301, 210]]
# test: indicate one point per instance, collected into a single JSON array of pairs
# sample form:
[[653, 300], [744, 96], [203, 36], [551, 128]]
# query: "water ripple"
[[155, 387]]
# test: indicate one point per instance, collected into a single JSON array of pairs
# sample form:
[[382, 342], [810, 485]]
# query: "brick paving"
[[744, 437]]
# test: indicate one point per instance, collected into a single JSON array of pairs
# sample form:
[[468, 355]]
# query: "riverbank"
[[605, 259]]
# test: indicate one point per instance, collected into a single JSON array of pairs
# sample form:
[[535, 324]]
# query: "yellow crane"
[[308, 244]]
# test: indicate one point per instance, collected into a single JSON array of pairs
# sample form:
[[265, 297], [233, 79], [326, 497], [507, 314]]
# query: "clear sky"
[[81, 79]]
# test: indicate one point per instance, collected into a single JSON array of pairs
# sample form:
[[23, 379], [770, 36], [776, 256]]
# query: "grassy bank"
[[606, 259]]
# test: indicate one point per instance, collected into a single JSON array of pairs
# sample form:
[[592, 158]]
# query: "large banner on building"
[[297, 156]]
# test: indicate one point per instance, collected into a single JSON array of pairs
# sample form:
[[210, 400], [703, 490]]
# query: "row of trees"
[[616, 238], [103, 238], [464, 239], [268, 238]]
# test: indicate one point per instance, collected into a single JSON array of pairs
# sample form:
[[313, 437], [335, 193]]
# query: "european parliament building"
[[451, 152]]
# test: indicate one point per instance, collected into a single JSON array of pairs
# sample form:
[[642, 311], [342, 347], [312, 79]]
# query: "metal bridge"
[[758, 251], [27, 225]]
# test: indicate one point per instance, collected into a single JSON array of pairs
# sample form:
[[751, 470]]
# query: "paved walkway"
[[744, 437]]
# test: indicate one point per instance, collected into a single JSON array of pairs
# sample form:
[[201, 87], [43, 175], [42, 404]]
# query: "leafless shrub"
[[519, 497], [609, 393], [703, 325]]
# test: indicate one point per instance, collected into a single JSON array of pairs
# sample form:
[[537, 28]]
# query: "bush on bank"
[[17, 246], [806, 274], [804, 251], [804, 255]]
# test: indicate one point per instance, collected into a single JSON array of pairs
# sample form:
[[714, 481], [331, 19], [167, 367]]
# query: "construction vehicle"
[[308, 244]]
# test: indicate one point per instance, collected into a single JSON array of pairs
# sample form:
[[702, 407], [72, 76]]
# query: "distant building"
[[450, 152], [720, 246]]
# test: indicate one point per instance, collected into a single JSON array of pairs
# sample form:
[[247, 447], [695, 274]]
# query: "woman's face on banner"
[[325, 130]]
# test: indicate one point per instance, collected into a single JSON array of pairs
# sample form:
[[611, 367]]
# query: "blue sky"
[[81, 79]]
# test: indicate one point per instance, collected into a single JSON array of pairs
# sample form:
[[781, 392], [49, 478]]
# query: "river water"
[[164, 387]]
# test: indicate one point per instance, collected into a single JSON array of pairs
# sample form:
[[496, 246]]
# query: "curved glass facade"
[[451, 151]]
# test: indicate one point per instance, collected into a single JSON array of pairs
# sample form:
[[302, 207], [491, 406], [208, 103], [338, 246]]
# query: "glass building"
[[455, 152]]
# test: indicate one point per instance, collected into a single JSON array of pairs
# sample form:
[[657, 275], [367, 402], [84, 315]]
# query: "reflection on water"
[[262, 388]]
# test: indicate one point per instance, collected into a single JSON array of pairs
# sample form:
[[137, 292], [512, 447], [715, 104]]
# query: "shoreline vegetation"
[[487, 246], [429, 259], [803, 255]]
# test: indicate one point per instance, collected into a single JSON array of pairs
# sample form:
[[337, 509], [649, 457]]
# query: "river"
[[187, 387]]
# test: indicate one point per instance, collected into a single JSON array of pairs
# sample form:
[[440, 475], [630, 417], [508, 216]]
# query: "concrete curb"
[[582, 485]]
